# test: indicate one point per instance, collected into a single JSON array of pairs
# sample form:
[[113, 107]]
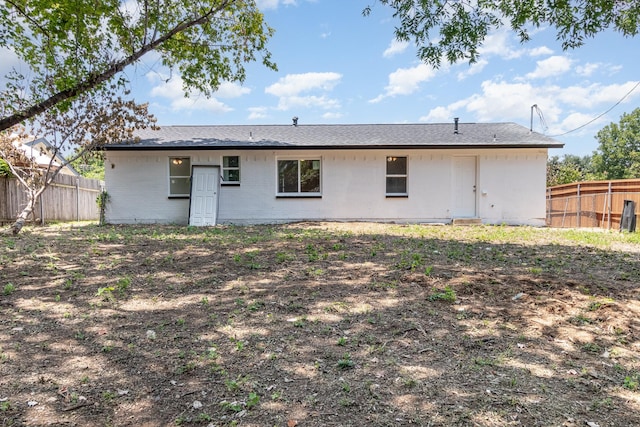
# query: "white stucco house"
[[250, 174]]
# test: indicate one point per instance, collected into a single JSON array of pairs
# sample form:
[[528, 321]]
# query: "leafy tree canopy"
[[74, 47], [570, 168], [618, 153], [453, 30]]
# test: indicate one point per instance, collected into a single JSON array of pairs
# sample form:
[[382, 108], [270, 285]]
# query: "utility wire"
[[600, 115]]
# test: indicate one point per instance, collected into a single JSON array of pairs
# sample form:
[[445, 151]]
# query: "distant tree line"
[[617, 155]]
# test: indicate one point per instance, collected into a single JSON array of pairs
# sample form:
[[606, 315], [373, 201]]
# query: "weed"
[[300, 322], [202, 417], [631, 381], [346, 362], [284, 257], [428, 270], [252, 400], [180, 321], [276, 395], [312, 253], [342, 341], [123, 284], [106, 293], [186, 368], [5, 406], [592, 347], [346, 387], [204, 301], [483, 361], [580, 319], [233, 406], [255, 305], [8, 289], [108, 396], [448, 295], [593, 306]]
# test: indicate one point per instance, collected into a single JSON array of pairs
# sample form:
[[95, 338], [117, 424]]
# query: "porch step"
[[467, 221]]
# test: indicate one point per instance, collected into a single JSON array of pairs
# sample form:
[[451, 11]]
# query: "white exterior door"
[[205, 185], [464, 187]]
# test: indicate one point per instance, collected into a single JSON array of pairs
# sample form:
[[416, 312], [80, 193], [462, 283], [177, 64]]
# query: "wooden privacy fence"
[[68, 198], [591, 204]]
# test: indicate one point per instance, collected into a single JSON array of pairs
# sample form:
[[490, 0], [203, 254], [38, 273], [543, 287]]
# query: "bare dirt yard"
[[319, 324]]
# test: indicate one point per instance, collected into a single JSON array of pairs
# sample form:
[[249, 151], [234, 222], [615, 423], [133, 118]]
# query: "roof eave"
[[325, 147]]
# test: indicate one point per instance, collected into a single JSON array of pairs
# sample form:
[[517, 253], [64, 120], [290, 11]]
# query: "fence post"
[[548, 206], [77, 198], [41, 210], [609, 207], [578, 206]]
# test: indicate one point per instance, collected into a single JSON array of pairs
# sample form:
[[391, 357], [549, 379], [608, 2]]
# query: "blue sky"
[[336, 66]]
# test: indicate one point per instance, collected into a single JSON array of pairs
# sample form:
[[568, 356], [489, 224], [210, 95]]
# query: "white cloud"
[[395, 48], [294, 84], [540, 51], [406, 81], [332, 115], [290, 90], [552, 66], [256, 113], [273, 4], [171, 89], [474, 68], [289, 102], [499, 44], [501, 101]]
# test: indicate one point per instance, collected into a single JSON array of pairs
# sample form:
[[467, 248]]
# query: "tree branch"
[[95, 79]]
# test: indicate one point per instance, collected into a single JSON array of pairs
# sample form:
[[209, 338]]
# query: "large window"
[[179, 176], [231, 170], [396, 176], [299, 177]]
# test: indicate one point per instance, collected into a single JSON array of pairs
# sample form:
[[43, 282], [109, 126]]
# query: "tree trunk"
[[28, 210]]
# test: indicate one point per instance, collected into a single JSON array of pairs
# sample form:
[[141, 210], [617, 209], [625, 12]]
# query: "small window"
[[231, 170], [179, 176], [396, 176], [299, 177]]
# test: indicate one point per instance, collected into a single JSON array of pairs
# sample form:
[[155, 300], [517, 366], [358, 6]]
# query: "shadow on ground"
[[316, 325]]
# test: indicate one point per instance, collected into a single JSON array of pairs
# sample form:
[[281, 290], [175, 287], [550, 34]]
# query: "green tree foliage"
[[76, 52], [455, 30], [570, 168], [90, 165], [73, 47], [618, 153]]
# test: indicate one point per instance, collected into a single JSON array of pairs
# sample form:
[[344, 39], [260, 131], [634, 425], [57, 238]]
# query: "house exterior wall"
[[510, 186]]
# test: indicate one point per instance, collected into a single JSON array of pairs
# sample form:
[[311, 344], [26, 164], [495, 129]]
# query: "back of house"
[[251, 174]]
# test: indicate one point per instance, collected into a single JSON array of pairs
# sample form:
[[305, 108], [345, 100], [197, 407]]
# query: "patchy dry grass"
[[319, 324]]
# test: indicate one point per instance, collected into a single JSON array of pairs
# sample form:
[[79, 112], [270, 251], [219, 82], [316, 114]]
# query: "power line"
[[600, 115]]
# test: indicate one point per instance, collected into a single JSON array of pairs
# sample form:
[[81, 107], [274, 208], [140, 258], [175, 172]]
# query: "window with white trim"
[[299, 177], [231, 170], [396, 176], [179, 176]]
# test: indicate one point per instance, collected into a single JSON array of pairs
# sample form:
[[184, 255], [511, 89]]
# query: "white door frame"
[[204, 195], [464, 186]]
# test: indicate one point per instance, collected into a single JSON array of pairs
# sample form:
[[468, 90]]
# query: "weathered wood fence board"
[[69, 198], [590, 204]]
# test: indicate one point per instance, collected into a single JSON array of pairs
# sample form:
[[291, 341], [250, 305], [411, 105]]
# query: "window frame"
[[188, 177], [405, 175], [224, 168], [299, 193]]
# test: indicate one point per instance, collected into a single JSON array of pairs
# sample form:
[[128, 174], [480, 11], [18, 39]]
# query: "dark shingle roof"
[[441, 135]]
